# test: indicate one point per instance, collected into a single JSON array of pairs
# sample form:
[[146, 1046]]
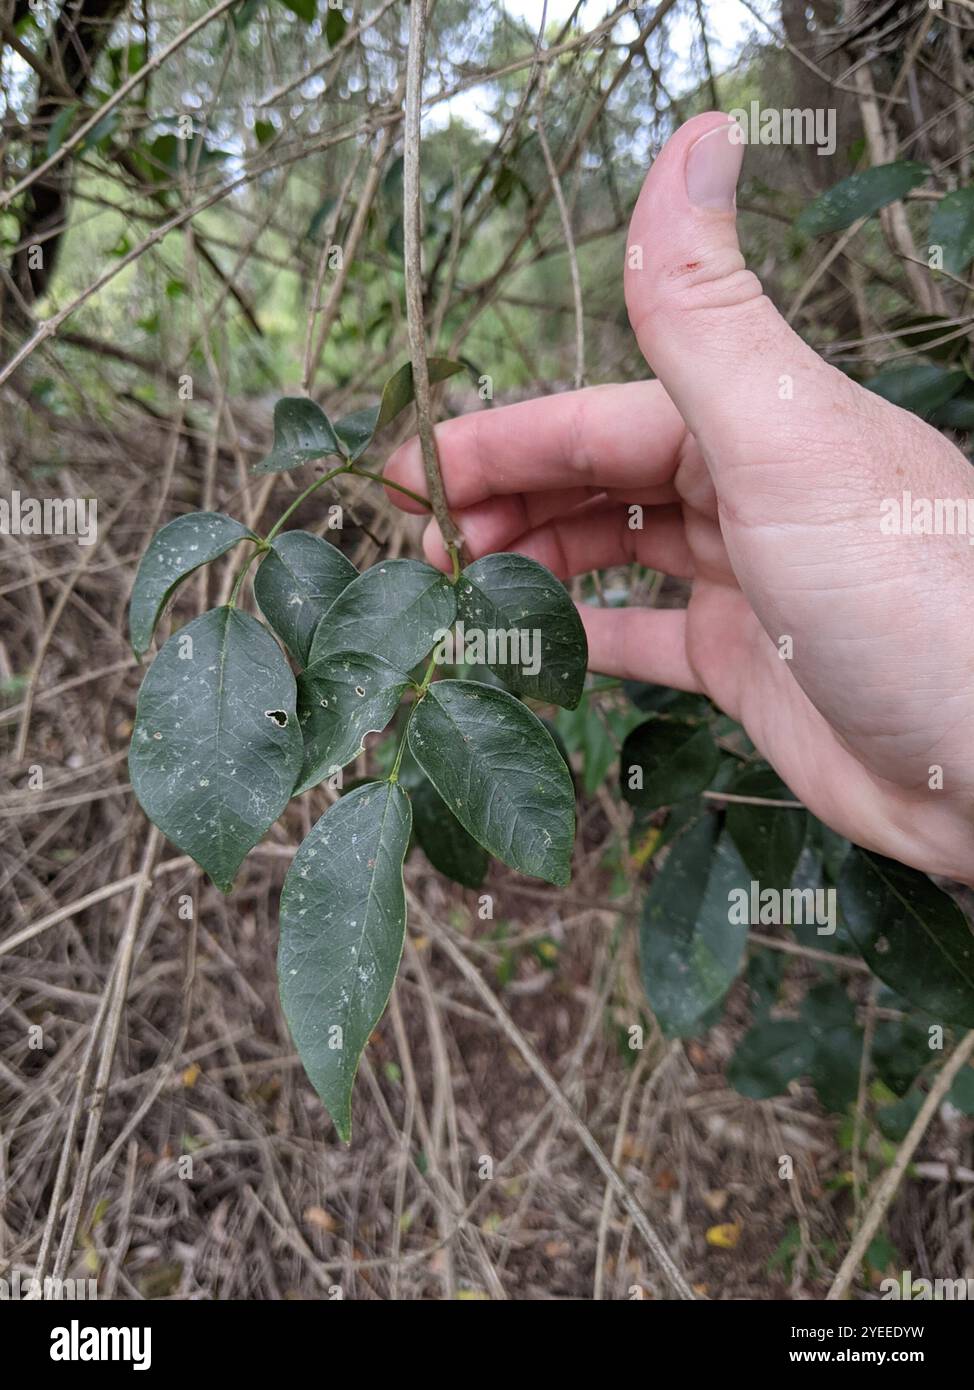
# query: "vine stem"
[[421, 690], [413, 257], [312, 487], [357, 472]]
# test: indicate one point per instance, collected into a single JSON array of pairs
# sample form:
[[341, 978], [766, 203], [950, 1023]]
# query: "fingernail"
[[713, 167]]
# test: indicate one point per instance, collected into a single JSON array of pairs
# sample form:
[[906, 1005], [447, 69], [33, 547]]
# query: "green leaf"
[[343, 924], [690, 950], [922, 389], [911, 934], [175, 552], [357, 430], [957, 413], [512, 606], [302, 432], [901, 1051], [100, 131], [444, 841], [398, 608], [895, 1120], [952, 227], [335, 26], [304, 9], [768, 1057], [341, 699], [663, 762], [833, 1069], [497, 768], [860, 195], [299, 579], [216, 746], [59, 128], [769, 838], [398, 391]]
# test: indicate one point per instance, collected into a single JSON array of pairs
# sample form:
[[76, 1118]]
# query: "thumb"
[[748, 387]]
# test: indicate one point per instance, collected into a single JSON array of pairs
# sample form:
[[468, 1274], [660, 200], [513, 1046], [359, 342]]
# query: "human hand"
[[761, 470]]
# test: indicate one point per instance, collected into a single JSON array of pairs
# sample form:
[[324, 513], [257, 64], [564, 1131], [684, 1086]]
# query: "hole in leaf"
[[278, 715]]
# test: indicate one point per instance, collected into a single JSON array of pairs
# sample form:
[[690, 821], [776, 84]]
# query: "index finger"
[[600, 437]]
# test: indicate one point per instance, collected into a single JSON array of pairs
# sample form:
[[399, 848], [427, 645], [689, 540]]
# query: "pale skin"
[[761, 471]]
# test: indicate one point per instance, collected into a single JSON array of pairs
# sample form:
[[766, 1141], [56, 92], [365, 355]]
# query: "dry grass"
[[161, 1039]]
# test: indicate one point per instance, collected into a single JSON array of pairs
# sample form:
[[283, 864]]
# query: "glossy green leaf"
[[342, 698], [357, 430], [216, 747], [769, 838], [922, 389], [690, 949], [497, 768], [343, 924], [663, 762], [911, 934], [952, 227], [443, 840], [397, 608], [399, 392], [298, 580], [302, 432], [860, 195], [511, 606], [173, 554]]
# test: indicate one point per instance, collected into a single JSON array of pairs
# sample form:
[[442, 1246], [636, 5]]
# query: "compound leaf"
[[343, 923], [302, 432], [342, 698], [497, 768], [216, 747], [519, 610], [398, 608], [174, 553], [298, 580]]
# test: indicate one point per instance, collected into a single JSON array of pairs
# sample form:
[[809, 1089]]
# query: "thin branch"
[[413, 238]]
